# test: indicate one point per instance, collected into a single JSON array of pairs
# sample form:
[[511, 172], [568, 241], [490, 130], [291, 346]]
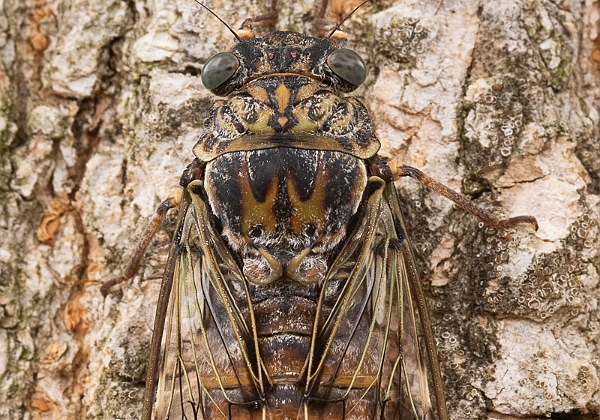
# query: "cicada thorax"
[[284, 210]]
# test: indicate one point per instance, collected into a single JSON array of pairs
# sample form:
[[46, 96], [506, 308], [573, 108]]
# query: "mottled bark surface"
[[101, 103]]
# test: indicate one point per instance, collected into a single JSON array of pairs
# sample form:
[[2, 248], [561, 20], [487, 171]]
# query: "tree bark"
[[101, 103]]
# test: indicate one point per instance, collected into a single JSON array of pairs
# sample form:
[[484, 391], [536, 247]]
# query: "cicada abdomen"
[[290, 289]]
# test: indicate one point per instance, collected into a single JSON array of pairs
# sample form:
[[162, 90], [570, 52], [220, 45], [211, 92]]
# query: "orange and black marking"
[[285, 209], [285, 154]]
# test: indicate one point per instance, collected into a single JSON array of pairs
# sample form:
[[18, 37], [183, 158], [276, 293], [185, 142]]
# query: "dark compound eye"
[[348, 65], [218, 69]]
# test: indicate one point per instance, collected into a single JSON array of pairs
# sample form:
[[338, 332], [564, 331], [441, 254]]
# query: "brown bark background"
[[100, 105]]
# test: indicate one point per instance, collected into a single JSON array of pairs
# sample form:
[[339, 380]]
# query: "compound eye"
[[219, 69], [348, 65]]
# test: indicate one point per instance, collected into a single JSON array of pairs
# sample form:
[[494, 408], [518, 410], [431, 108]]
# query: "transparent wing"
[[202, 368], [420, 366], [374, 344]]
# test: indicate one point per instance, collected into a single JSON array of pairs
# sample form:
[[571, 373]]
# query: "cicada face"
[[290, 291]]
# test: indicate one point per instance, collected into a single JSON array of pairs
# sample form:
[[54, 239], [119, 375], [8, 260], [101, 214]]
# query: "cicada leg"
[[321, 25], [269, 18], [398, 171], [324, 27], [136, 260]]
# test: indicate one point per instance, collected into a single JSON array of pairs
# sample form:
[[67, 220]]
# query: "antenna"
[[226, 25], [338, 26]]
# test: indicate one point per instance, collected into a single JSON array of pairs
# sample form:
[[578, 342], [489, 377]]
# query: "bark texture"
[[101, 103]]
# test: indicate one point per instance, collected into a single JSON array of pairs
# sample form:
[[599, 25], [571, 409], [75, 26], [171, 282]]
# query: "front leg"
[[173, 201], [394, 170]]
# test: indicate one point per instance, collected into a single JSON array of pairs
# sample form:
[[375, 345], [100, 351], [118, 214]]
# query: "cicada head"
[[324, 60]]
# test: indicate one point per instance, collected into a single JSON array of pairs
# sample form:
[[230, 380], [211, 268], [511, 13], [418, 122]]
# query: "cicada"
[[290, 290]]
